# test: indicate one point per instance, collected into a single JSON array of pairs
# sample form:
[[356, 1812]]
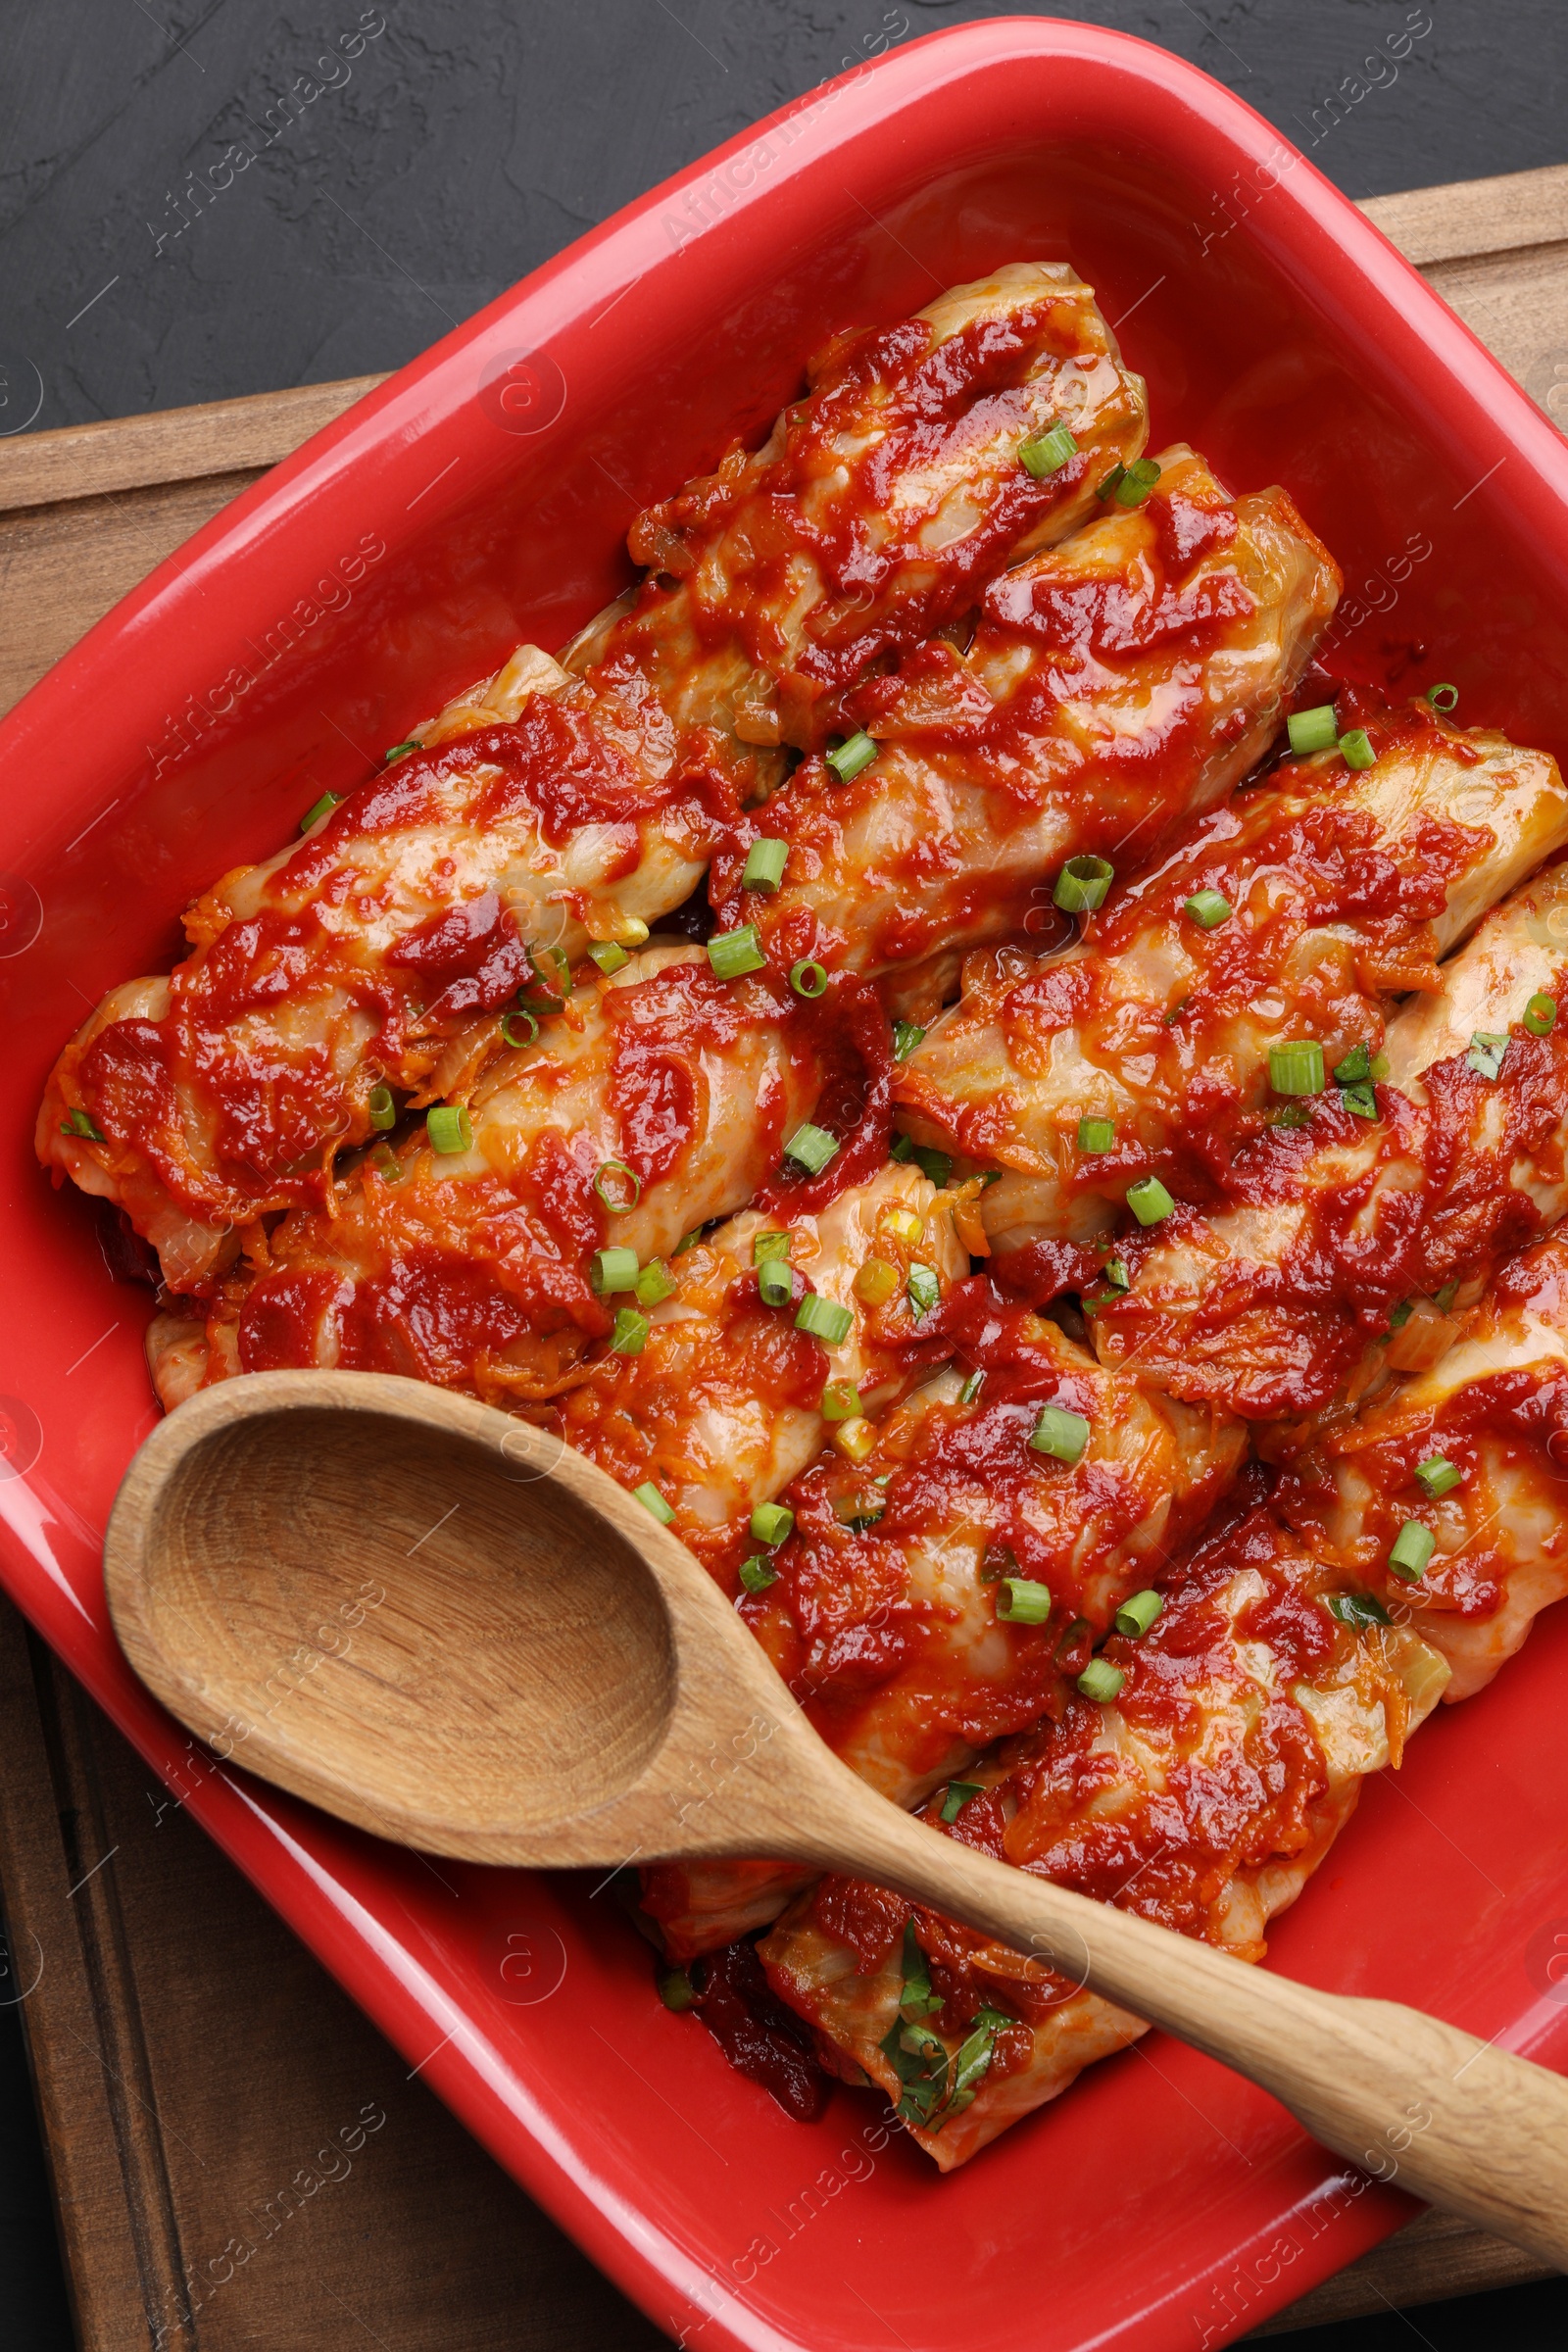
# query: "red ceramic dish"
[[483, 495]]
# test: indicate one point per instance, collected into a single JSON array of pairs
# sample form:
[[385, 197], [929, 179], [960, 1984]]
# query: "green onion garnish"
[[688, 1240], [609, 955], [1356, 1609], [1400, 1315], [1411, 1550], [1486, 1050], [812, 1147], [764, 864], [1357, 1067], [938, 1165], [1082, 884], [612, 1270], [630, 1335], [1444, 1299], [772, 1522], [676, 1989], [1148, 1201], [907, 1035], [734, 953], [380, 1108], [1360, 1100], [970, 1393], [1117, 474], [1208, 909], [650, 1497], [1135, 1617], [841, 1400], [80, 1122], [825, 1319], [757, 1573], [807, 979], [1540, 1015], [386, 1163], [1096, 1135], [1297, 1068], [612, 1184], [398, 749], [924, 1290], [1021, 1601], [1443, 697], [1137, 481], [1355, 749], [514, 1031], [1438, 1475], [321, 807], [848, 758], [653, 1284], [1101, 1681], [1047, 452], [1062, 1434], [449, 1128], [1316, 730], [775, 1279], [957, 1796], [1115, 1271]]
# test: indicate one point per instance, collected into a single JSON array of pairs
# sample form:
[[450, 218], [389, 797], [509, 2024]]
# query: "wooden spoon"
[[448, 1628]]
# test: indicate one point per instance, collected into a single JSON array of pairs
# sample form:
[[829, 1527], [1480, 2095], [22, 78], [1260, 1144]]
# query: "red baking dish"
[[483, 495]]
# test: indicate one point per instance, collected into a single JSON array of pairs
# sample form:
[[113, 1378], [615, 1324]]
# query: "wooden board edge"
[[1466, 219]]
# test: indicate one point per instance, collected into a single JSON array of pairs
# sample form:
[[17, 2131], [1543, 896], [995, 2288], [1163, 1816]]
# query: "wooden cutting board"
[[192, 2062]]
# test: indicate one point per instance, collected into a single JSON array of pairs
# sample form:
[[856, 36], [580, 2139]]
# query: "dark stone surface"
[[465, 141]]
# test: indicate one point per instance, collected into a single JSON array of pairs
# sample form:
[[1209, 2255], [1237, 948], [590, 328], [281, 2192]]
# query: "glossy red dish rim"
[[388, 458]]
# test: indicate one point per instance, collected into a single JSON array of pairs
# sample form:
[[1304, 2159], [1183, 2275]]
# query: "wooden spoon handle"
[[1453, 2120]]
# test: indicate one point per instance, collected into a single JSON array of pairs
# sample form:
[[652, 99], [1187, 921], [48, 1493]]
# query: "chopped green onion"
[[514, 1034], [757, 1573], [938, 1165], [907, 1035], [630, 1335], [676, 1989], [1357, 1067], [1486, 1050], [1316, 730], [398, 749], [957, 1796], [764, 864], [1100, 1680], [80, 1122], [650, 1497], [688, 1240], [1137, 481], [630, 932], [1115, 1272], [1047, 452], [734, 953], [386, 1163], [1355, 749], [1062, 1434], [611, 1270], [1444, 1299], [609, 955], [1117, 474], [812, 1147], [1540, 1015], [1443, 697], [877, 1282], [1096, 1135], [1082, 884], [1360, 1100], [1208, 908], [1379, 1066], [807, 979], [321, 807], [775, 1277], [380, 1108], [825, 1319], [653, 1284], [1135, 1617], [1148, 1201], [1021, 1601], [1438, 1475], [972, 2062], [924, 1288], [970, 1393], [772, 1522], [1356, 1609], [1411, 1550], [1297, 1068], [613, 1195], [1400, 1315], [449, 1128], [841, 1400], [767, 1247], [848, 759], [549, 996]]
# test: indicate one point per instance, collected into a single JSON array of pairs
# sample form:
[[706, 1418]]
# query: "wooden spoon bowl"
[[451, 1630]]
